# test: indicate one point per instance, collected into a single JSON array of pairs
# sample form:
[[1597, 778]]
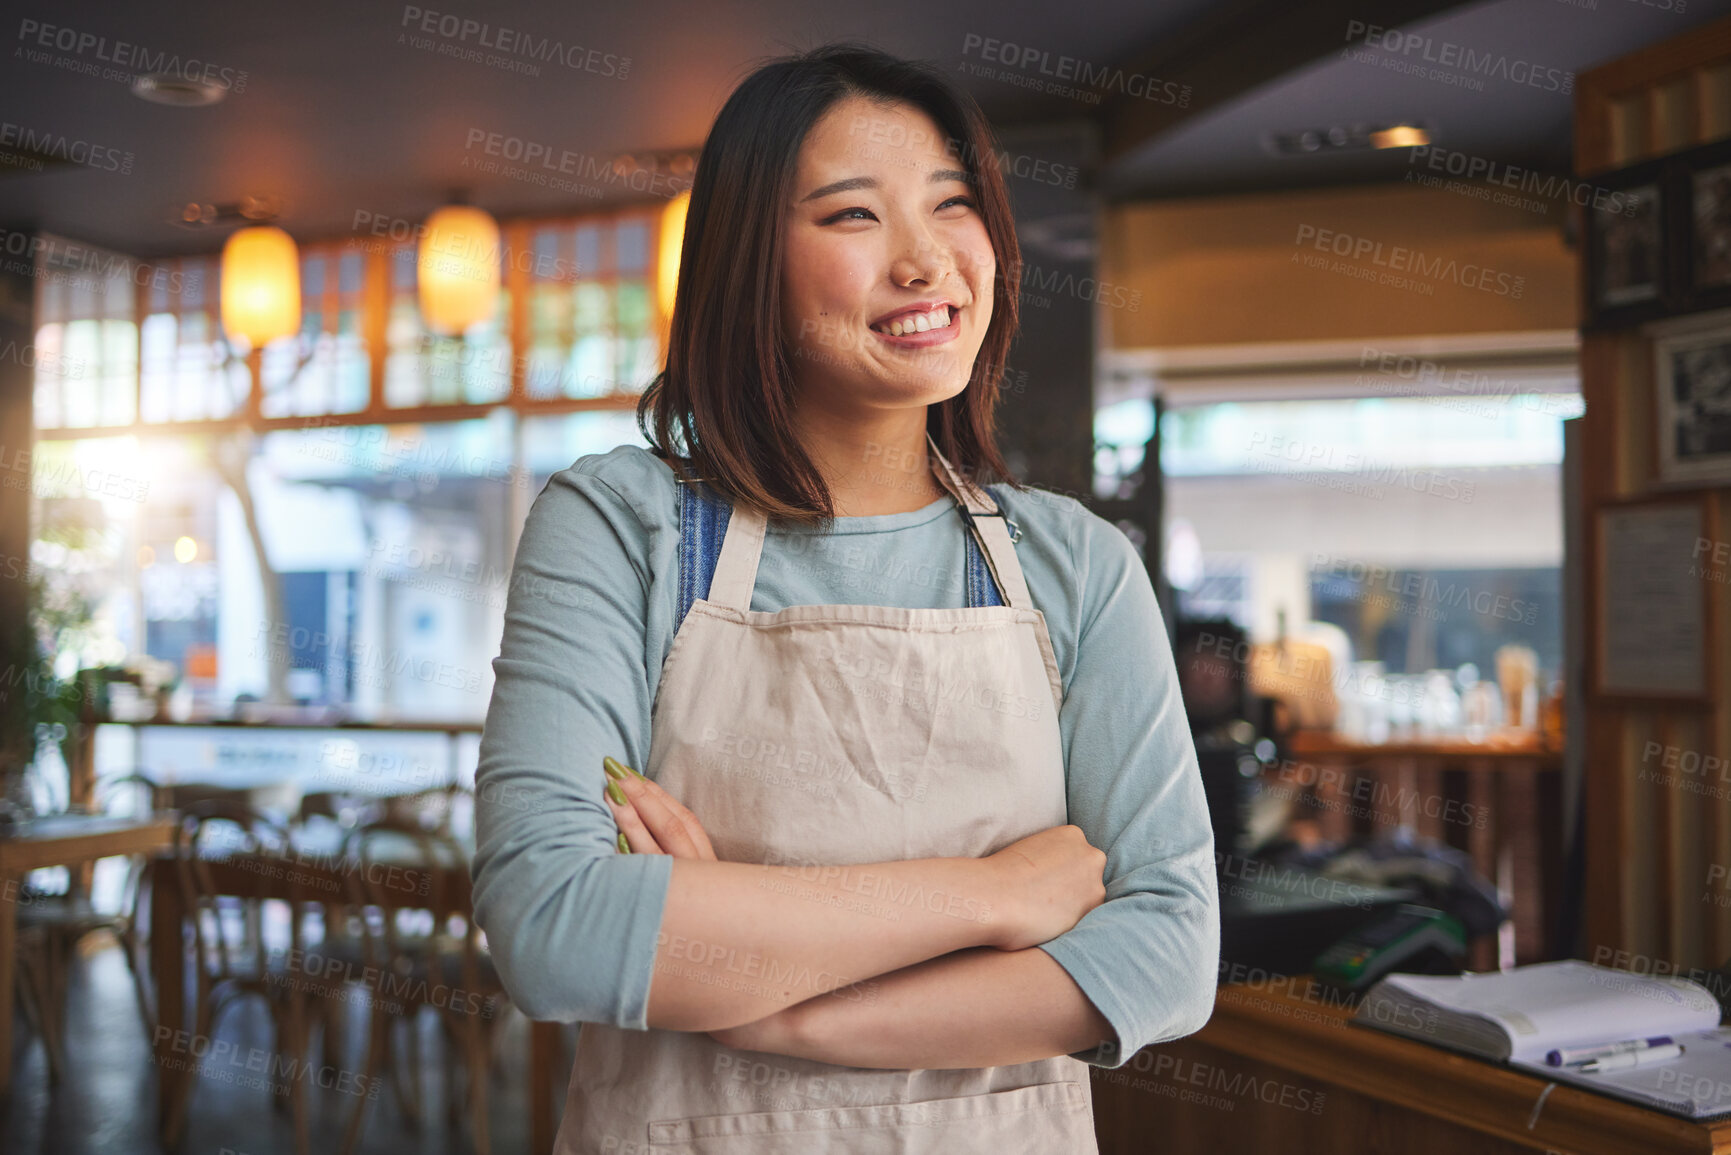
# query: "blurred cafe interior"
[[1395, 337]]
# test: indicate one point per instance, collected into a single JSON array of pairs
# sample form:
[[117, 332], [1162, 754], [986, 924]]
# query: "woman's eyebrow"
[[848, 184]]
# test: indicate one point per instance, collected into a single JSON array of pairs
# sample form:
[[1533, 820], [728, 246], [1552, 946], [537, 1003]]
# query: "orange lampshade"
[[261, 285], [672, 239], [458, 269]]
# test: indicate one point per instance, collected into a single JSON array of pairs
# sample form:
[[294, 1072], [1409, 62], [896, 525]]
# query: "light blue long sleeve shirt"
[[589, 618]]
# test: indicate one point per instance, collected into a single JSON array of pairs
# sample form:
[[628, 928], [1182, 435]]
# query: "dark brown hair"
[[722, 408]]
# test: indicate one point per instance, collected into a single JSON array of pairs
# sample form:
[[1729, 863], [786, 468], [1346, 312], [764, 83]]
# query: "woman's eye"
[[964, 201], [849, 215]]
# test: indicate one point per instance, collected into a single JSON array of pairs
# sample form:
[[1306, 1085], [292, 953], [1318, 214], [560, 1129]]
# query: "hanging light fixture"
[[672, 240], [261, 285], [458, 269]]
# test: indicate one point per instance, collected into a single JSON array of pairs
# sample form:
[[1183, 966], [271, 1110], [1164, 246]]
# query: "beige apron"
[[840, 734]]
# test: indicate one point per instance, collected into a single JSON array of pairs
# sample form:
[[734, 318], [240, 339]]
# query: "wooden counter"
[[1500, 801], [1281, 1070]]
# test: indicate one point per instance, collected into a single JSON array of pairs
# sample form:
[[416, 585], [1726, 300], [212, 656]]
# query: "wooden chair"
[[58, 923], [231, 958], [35, 994], [424, 949]]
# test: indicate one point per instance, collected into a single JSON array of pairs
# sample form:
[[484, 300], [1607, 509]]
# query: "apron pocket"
[[1043, 1119]]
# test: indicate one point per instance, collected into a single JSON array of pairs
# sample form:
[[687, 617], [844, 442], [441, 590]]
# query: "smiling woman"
[[837, 170], [919, 815]]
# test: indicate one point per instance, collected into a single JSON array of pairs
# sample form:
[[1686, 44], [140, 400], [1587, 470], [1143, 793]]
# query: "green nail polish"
[[624, 846], [615, 793], [615, 769]]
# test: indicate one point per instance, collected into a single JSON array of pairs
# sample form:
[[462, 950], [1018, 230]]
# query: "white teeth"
[[938, 318]]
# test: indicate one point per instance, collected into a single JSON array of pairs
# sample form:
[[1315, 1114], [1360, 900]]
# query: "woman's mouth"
[[916, 330]]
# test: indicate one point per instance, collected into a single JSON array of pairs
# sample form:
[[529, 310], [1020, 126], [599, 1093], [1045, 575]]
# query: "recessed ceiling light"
[[1400, 136], [1346, 138], [174, 89]]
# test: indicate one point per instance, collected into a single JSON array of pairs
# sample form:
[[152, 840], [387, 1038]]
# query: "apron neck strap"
[[986, 522], [742, 544]]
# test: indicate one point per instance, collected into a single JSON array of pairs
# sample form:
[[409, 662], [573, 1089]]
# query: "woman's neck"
[[875, 467]]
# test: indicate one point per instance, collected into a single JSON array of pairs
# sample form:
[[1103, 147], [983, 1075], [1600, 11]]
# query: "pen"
[[1630, 1059], [1573, 1056]]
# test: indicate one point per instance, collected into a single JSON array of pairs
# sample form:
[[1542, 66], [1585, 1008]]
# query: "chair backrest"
[[402, 879], [135, 795], [132, 795], [345, 808], [215, 831], [438, 809]]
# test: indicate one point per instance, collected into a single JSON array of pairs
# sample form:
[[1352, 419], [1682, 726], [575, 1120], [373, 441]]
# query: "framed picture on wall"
[[1704, 188], [1653, 599], [1692, 393], [1630, 275]]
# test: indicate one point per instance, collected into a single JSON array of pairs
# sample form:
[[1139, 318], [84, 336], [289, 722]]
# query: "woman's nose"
[[921, 260]]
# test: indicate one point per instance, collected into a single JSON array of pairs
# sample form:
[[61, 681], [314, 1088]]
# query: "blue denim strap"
[[703, 516], [982, 590]]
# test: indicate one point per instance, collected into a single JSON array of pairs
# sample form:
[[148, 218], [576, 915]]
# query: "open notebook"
[[1519, 1016]]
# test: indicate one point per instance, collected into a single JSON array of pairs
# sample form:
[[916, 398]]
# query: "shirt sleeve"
[[1147, 957], [571, 922]]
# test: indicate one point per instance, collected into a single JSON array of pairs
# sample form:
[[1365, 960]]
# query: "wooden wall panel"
[[1651, 844]]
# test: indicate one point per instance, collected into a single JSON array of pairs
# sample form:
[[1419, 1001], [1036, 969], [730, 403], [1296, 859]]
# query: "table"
[[1499, 800], [82, 764], [1378, 1092], [59, 840], [249, 876]]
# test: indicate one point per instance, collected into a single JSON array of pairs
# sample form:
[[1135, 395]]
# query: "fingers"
[[652, 820], [693, 828], [669, 826], [637, 836]]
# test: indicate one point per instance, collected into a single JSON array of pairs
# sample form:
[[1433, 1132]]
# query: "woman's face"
[[886, 281]]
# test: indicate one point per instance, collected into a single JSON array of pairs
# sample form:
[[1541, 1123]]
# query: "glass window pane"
[[588, 250], [632, 239], [594, 308]]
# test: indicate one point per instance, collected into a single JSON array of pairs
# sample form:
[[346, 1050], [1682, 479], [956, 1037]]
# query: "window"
[[389, 540], [1427, 529]]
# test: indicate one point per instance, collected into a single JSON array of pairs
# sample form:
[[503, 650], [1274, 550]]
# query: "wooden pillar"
[[17, 651]]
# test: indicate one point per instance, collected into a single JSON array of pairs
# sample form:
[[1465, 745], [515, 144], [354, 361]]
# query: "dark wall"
[[1046, 416], [17, 307]]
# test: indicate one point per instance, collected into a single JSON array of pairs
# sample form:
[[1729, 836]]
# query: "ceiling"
[[347, 113]]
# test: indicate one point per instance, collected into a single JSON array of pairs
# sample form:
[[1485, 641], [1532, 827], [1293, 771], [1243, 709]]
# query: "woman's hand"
[[652, 821], [1050, 879]]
